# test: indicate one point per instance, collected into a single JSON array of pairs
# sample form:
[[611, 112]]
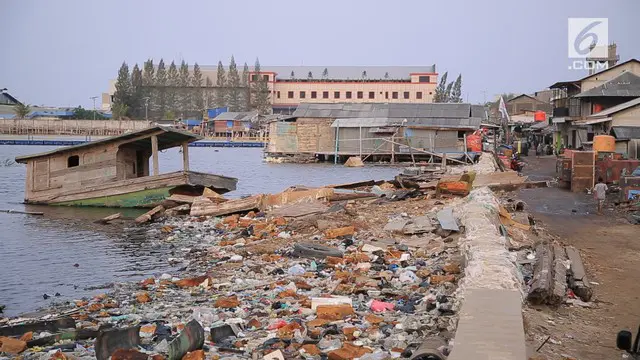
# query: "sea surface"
[[38, 253]]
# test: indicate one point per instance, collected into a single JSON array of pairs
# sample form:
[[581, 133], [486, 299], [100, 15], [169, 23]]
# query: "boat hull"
[[138, 192]]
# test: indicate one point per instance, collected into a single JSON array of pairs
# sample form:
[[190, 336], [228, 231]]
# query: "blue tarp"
[[217, 111], [191, 122]]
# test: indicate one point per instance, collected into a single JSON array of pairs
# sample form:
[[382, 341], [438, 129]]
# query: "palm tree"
[[22, 110]]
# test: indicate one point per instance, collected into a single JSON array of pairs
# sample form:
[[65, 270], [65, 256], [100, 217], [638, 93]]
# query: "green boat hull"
[[138, 199]]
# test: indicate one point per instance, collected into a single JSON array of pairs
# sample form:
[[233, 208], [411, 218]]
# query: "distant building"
[[326, 130], [290, 86], [602, 103]]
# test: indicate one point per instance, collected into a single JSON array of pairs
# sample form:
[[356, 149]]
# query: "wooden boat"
[[114, 172]]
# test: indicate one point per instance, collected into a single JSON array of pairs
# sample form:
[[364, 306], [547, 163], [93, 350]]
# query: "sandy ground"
[[610, 248]]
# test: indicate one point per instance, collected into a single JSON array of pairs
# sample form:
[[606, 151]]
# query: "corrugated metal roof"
[[169, 138], [626, 132], [386, 110], [625, 84], [348, 72], [431, 122], [242, 116], [617, 108]]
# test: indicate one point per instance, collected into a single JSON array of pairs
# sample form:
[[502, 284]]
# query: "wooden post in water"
[[185, 156], [154, 154]]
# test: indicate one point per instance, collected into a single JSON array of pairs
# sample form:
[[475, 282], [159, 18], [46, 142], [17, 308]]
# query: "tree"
[[364, 74], [81, 113], [260, 92], [172, 88], [386, 75], [160, 90], [310, 75], [148, 82], [447, 93], [22, 110], [119, 111], [233, 83], [456, 92], [325, 73], [293, 75], [198, 93], [136, 104], [184, 98], [507, 96], [209, 100], [123, 92], [169, 115], [245, 91], [440, 89], [221, 83]]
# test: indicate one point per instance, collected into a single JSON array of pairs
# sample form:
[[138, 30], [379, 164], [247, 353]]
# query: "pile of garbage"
[[308, 273]]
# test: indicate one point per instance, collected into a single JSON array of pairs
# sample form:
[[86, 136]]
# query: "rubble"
[[300, 274]]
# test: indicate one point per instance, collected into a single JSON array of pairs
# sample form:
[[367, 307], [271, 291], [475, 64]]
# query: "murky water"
[[38, 253]]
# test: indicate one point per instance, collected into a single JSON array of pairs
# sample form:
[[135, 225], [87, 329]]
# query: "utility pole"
[[94, 106], [146, 107]]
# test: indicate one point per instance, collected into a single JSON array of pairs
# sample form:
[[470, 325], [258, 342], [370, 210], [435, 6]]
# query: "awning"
[[590, 122], [626, 132]]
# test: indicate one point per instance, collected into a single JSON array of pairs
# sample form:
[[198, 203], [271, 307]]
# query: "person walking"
[[600, 194]]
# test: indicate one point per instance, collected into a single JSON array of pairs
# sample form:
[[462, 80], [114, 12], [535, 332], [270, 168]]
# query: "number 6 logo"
[[588, 37]]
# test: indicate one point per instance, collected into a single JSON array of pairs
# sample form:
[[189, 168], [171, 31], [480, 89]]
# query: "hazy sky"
[[62, 52]]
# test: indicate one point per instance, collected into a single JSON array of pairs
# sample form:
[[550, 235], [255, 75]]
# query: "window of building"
[[265, 77], [394, 94], [348, 95], [430, 93], [406, 94], [423, 79], [419, 95], [290, 94], [278, 94], [360, 95], [73, 161], [325, 94], [372, 95], [314, 94], [386, 94], [336, 94], [254, 77], [303, 94]]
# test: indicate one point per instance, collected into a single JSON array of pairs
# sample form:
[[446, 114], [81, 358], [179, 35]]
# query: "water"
[[38, 253]]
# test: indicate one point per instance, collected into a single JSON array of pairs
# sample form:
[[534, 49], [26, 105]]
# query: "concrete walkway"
[[490, 324]]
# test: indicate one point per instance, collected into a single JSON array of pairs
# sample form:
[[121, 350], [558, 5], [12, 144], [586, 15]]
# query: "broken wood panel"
[[156, 211], [105, 220], [297, 210], [209, 208], [48, 325]]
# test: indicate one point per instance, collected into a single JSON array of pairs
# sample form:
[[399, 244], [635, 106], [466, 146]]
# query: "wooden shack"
[[115, 172], [382, 130]]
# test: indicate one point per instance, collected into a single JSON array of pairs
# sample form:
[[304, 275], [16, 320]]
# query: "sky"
[[61, 53]]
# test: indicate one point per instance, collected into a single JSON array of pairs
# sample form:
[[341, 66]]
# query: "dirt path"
[[610, 247]]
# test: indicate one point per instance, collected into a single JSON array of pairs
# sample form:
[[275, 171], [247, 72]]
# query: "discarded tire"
[[315, 251]]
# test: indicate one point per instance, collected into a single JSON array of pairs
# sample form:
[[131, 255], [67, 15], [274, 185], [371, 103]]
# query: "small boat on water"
[[114, 172]]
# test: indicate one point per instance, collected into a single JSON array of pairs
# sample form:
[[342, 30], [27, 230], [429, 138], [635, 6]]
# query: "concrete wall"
[[59, 126], [382, 92], [628, 117]]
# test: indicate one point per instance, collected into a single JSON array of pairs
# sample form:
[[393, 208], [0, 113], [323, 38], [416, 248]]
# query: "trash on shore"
[[300, 274]]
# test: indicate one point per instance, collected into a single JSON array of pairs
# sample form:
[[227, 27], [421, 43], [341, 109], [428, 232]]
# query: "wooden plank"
[[105, 220], [185, 156], [209, 208], [156, 211], [182, 199], [154, 154]]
